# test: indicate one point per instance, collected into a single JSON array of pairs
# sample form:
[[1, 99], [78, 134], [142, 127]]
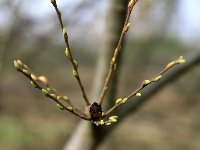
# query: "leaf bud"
[[59, 106], [19, 62], [16, 65], [76, 63], [75, 73], [124, 100], [112, 119], [59, 12], [69, 108], [67, 53], [126, 27], [116, 117], [170, 64], [138, 94], [59, 97], [118, 100], [65, 98], [34, 77], [108, 123], [26, 71], [64, 31], [130, 4], [102, 114], [157, 78], [112, 61], [54, 96], [44, 91], [181, 60], [33, 84], [43, 79], [101, 122], [52, 1], [146, 82]]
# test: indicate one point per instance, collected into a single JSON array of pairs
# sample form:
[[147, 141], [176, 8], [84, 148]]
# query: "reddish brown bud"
[[43, 79], [126, 27], [19, 62], [112, 62], [34, 77], [52, 1]]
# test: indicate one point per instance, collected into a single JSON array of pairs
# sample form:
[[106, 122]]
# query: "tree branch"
[[116, 52], [69, 54], [126, 110]]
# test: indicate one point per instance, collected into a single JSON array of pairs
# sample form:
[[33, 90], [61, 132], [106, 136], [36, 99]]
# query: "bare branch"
[[68, 52], [29, 74], [116, 52], [144, 84]]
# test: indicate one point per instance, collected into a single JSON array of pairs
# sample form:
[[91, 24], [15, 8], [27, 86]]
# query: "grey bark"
[[83, 133], [192, 59], [86, 135]]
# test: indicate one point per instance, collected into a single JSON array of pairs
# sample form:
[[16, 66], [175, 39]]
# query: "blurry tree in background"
[[29, 121]]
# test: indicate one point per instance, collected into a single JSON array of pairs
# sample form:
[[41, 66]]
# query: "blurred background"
[[160, 32]]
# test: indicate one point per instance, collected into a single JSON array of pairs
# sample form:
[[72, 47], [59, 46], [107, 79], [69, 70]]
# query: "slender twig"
[[144, 84], [94, 109], [44, 80], [112, 63], [69, 54], [73, 106], [28, 73]]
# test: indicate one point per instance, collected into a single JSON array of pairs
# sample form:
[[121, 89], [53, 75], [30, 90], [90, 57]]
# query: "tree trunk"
[[89, 136]]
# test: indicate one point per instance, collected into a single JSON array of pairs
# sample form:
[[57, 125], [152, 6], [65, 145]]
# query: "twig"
[[112, 62], [69, 54], [95, 109], [55, 97], [144, 84], [44, 80]]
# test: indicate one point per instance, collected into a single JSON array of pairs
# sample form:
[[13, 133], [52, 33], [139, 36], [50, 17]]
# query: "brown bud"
[[52, 1], [126, 27], [19, 62], [112, 61]]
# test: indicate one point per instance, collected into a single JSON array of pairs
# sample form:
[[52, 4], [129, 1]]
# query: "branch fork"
[[95, 114]]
